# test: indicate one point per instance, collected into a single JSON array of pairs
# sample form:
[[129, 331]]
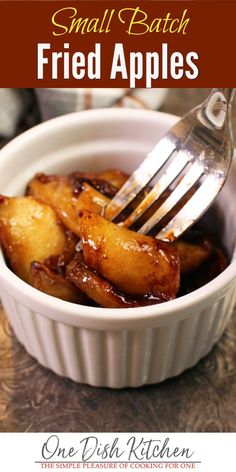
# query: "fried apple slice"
[[58, 192], [55, 285], [29, 230], [103, 292], [77, 181], [192, 255], [209, 269], [58, 263], [136, 264], [107, 182], [115, 176]]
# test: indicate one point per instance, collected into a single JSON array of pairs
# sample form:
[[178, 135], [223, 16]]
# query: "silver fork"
[[196, 153]]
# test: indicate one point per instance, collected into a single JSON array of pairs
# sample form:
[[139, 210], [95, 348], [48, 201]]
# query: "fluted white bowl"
[[98, 346]]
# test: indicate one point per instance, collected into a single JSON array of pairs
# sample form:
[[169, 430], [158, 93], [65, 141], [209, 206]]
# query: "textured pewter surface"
[[203, 398]]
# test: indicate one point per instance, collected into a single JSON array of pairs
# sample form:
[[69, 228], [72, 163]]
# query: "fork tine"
[[174, 169], [193, 209], [141, 177], [190, 178]]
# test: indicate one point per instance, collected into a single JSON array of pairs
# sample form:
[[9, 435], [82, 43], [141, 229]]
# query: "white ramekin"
[[110, 347]]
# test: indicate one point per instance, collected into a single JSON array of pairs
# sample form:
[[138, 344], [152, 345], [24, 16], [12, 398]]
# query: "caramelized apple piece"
[[58, 192], [107, 182], [105, 188], [207, 271], [115, 176], [55, 285], [91, 200], [29, 230], [192, 255], [136, 264], [103, 292], [58, 263]]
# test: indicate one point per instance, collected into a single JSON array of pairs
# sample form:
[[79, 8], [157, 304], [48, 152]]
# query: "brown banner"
[[117, 43]]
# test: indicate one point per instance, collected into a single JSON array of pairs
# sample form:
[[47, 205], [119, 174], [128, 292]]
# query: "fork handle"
[[223, 93], [216, 110], [228, 94]]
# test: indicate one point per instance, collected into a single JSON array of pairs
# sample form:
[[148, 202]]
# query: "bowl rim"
[[133, 317]]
